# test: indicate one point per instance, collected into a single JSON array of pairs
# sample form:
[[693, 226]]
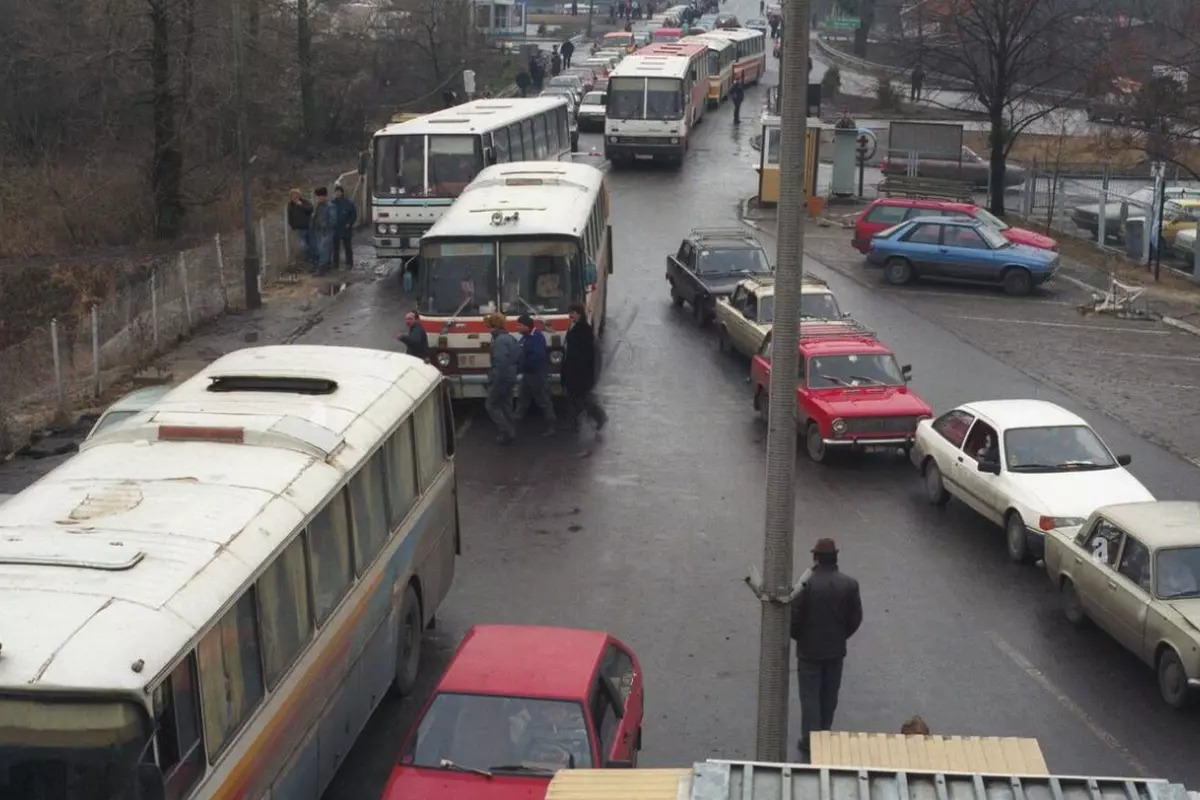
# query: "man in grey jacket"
[[502, 378], [825, 614]]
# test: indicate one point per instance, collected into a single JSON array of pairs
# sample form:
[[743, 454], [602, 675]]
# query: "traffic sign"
[[851, 23]]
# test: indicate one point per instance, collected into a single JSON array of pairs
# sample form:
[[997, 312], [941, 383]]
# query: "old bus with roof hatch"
[[721, 51], [655, 98], [530, 238], [418, 167], [210, 599], [750, 53]]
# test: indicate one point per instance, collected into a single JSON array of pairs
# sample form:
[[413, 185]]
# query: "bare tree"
[[1022, 59]]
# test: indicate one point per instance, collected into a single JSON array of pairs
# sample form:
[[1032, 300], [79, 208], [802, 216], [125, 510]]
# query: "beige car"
[[1134, 569], [746, 316]]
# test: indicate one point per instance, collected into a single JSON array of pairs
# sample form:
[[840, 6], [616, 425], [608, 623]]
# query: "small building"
[[500, 17]]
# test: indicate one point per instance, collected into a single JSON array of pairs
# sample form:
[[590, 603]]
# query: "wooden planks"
[[988, 754]]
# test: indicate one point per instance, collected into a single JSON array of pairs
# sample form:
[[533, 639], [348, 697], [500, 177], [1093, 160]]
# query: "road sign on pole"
[[850, 23]]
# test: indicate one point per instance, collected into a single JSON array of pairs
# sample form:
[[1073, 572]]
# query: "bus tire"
[[408, 643]]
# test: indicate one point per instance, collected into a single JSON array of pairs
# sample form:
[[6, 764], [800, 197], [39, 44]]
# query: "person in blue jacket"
[[535, 373], [502, 378], [343, 232]]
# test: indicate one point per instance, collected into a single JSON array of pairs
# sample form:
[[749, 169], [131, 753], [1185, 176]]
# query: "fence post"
[[287, 241], [154, 305], [221, 273], [187, 294], [96, 351], [262, 247], [1101, 219], [58, 378]]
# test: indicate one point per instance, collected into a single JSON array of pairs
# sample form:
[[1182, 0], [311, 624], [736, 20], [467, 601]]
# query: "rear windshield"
[[886, 215]]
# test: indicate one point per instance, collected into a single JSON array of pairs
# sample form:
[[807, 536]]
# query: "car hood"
[[1028, 253], [1030, 238], [725, 284], [1078, 494], [413, 783], [874, 401], [1189, 609]]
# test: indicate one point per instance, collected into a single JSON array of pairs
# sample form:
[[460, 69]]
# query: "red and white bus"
[[655, 97], [666, 36], [721, 52], [750, 55], [528, 238]]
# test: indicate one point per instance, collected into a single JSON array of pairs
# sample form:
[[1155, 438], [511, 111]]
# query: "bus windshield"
[[69, 750], [458, 277], [539, 276], [664, 98], [400, 164], [542, 277], [627, 98]]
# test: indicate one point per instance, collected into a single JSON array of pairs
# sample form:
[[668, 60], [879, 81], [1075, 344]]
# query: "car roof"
[[929, 202], [1023, 413], [764, 285], [1158, 523], [962, 222], [525, 660], [843, 345]]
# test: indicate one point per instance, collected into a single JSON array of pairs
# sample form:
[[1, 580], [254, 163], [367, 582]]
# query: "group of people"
[[630, 10], [522, 368], [534, 75], [324, 228]]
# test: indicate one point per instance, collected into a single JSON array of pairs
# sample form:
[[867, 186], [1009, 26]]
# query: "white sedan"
[[1028, 465]]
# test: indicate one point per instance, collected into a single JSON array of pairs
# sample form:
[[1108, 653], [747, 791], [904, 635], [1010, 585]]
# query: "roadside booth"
[[768, 164]]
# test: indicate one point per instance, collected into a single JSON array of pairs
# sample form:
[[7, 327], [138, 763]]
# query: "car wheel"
[[762, 403], [815, 444], [1172, 680], [1071, 605], [676, 297], [408, 645], [898, 271], [1015, 538], [935, 487], [1018, 281], [699, 311]]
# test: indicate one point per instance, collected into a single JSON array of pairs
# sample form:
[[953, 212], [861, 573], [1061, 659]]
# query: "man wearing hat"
[[535, 373], [825, 615], [502, 378]]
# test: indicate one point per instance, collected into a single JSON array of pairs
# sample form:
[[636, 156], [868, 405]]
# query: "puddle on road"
[[333, 289]]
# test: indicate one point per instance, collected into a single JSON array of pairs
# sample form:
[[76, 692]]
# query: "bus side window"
[[231, 679], [552, 132], [177, 724], [368, 506], [514, 142], [431, 448], [284, 610], [329, 556], [500, 142], [401, 473]]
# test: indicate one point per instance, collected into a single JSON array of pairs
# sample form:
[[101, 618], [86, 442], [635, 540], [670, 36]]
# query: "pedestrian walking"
[[774, 28], [737, 95], [416, 340], [502, 378], [324, 221], [523, 82], [535, 373], [556, 62], [299, 216], [346, 214], [537, 72], [579, 370], [825, 614], [567, 50], [918, 80]]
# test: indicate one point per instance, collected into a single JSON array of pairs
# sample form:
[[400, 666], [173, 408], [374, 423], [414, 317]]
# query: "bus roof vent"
[[48, 548], [271, 383]]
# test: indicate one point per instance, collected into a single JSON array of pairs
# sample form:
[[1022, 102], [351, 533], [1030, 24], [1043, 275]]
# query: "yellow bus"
[[721, 55]]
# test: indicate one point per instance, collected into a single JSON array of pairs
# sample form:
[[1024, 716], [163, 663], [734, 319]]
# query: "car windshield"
[[593, 99], [69, 750], [729, 260], [890, 232], [400, 164], [497, 734], [1057, 448], [570, 81], [1177, 573], [458, 277], [993, 237], [866, 369], [540, 276], [813, 305], [983, 215]]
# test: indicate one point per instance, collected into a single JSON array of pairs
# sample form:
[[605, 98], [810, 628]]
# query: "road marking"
[[1066, 702], [1192, 359], [1111, 328]]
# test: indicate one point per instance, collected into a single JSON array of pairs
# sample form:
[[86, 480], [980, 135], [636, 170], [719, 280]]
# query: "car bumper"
[[875, 259], [647, 149], [397, 246], [861, 245], [469, 387], [865, 442], [1194, 684], [1035, 540]]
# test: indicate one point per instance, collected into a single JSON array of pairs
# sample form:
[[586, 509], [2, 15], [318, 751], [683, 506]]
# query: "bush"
[[886, 96], [831, 82]]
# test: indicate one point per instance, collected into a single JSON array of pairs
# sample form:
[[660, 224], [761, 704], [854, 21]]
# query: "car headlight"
[[393, 229], [556, 357], [612, 140], [443, 360], [1053, 523], [381, 229], [839, 427], [674, 140]]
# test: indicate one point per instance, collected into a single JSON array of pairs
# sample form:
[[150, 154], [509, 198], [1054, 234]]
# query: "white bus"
[[721, 55], [531, 238], [419, 166], [655, 97], [750, 57], [209, 600]]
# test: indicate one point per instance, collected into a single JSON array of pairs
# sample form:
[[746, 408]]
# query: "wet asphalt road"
[[649, 533]]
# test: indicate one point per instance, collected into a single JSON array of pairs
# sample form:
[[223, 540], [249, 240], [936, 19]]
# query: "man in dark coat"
[[502, 378], [825, 614], [416, 341], [535, 373], [567, 50], [343, 232], [737, 95], [299, 216], [579, 371]]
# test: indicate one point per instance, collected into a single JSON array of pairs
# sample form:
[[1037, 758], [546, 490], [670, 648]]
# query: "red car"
[[851, 394], [885, 212], [517, 704]]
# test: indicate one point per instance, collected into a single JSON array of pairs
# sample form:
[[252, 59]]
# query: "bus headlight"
[[674, 140], [443, 360], [393, 229], [612, 140], [839, 427], [556, 358], [381, 229]]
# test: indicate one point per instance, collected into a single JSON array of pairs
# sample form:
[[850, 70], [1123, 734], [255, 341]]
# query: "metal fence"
[[69, 361]]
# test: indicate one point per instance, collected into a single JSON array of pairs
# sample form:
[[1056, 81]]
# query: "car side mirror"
[[990, 467], [589, 273], [150, 784], [906, 371], [1125, 460], [620, 764]]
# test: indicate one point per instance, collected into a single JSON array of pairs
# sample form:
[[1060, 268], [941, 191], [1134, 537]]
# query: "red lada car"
[[885, 212], [851, 394], [517, 704]]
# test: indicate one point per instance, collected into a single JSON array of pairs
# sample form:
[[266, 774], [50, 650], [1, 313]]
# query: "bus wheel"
[[408, 645]]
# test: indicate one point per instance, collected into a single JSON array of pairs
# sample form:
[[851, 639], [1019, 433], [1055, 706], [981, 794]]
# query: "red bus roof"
[[678, 49], [525, 661]]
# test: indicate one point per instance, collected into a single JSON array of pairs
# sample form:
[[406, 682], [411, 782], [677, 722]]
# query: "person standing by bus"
[[556, 62], [737, 95], [324, 221], [567, 50], [535, 373], [343, 232], [416, 341], [579, 370], [502, 378], [299, 214]]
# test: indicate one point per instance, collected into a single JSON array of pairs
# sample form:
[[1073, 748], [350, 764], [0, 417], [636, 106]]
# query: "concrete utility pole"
[[776, 589], [250, 262], [591, 11]]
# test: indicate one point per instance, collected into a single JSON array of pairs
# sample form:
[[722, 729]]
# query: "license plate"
[[643, 157], [475, 361]]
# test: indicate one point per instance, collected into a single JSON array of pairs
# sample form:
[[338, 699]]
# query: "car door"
[[965, 255], [921, 247], [1095, 568], [620, 668], [760, 370], [687, 260], [1129, 595], [980, 490], [726, 310], [744, 340], [945, 446]]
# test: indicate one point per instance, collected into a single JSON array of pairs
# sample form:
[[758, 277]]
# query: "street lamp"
[[250, 265]]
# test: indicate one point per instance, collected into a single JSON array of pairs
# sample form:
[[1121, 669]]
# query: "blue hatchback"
[[960, 250]]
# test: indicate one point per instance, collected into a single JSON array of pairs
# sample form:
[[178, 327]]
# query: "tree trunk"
[[187, 69], [166, 170], [867, 16], [308, 100], [999, 158]]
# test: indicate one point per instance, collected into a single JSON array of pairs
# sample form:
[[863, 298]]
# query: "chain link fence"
[[65, 363]]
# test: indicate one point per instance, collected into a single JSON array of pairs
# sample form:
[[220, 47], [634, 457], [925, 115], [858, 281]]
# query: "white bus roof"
[[477, 116], [550, 197], [128, 550], [736, 34], [717, 43], [641, 65]]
